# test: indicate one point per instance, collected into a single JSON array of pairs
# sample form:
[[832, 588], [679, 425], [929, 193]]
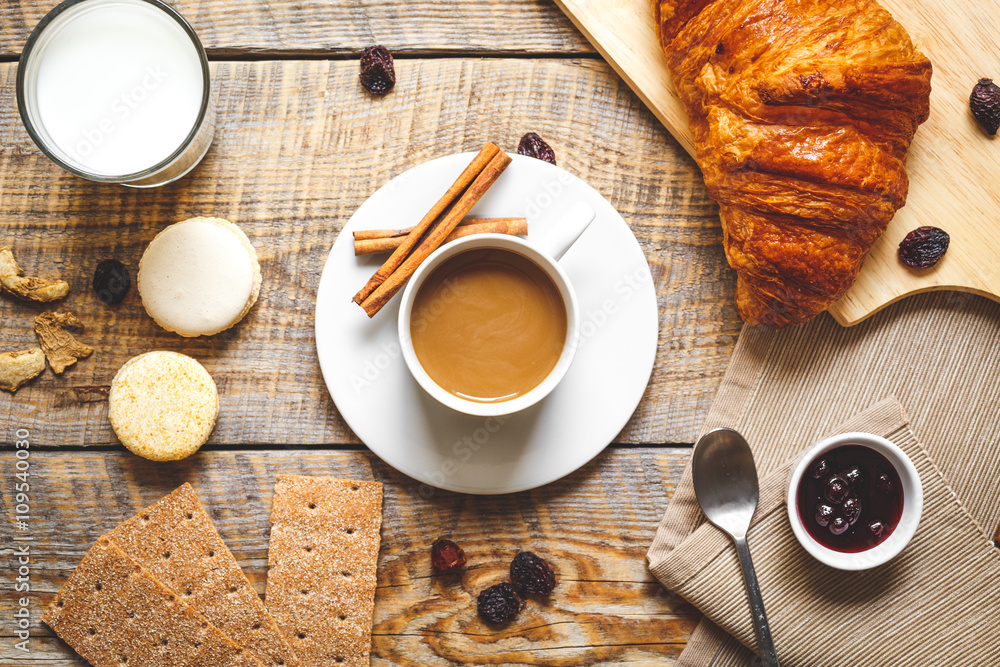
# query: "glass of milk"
[[117, 91]]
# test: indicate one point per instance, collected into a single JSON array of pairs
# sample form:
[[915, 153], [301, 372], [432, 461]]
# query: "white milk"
[[118, 86]]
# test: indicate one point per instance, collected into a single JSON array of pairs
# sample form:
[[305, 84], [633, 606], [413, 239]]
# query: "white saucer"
[[364, 370]]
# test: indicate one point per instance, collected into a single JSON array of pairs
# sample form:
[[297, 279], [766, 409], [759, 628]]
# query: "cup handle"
[[564, 232]]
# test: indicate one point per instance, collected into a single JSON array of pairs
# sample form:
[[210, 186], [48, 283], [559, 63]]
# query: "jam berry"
[[884, 484], [853, 475], [875, 530], [821, 469], [837, 489], [852, 509], [824, 513], [839, 525]]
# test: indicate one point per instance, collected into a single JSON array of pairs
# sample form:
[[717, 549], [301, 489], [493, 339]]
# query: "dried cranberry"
[[821, 469], [824, 513], [499, 603], [111, 281], [378, 75], [924, 247], [836, 490], [531, 574], [534, 146], [446, 556]]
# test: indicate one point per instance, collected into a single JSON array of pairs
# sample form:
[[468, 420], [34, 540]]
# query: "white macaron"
[[199, 277]]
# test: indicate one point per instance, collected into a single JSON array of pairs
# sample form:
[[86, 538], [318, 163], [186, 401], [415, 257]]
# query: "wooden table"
[[300, 145]]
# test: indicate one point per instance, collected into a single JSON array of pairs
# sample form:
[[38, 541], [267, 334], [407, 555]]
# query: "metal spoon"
[[725, 482]]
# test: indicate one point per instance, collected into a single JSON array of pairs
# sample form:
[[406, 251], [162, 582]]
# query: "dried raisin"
[[985, 105], [534, 146], [446, 556], [531, 574], [499, 603], [111, 281], [924, 247], [378, 75]]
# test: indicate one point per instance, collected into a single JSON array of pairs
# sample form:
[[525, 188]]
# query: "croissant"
[[802, 112]]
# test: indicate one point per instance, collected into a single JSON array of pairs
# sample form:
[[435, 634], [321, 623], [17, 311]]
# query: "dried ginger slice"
[[60, 348], [35, 289], [27, 287], [8, 267], [16, 368]]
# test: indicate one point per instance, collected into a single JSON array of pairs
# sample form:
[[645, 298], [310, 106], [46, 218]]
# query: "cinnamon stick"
[[370, 234], [436, 236], [458, 188], [381, 241]]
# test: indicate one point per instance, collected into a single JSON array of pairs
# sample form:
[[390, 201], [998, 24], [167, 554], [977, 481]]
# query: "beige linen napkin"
[[939, 353]]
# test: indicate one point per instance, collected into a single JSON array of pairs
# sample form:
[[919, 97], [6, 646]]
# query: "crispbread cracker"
[[114, 614], [321, 567], [174, 539]]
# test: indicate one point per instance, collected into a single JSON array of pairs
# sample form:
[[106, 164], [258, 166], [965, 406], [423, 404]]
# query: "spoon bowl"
[[725, 480]]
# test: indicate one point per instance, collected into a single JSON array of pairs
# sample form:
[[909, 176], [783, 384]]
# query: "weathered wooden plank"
[[300, 146], [593, 526], [322, 27]]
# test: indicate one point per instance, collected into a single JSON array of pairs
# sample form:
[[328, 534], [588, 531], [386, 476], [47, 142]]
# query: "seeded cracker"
[[174, 539], [113, 613], [321, 567]]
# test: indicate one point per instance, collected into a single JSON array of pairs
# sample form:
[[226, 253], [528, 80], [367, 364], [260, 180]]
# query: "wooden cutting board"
[[954, 166]]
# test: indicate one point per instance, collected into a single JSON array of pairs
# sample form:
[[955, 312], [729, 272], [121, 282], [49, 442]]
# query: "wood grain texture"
[[299, 147], [257, 28], [593, 526], [951, 163]]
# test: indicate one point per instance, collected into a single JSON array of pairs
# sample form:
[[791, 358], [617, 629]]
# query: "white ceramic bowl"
[[503, 242], [913, 503]]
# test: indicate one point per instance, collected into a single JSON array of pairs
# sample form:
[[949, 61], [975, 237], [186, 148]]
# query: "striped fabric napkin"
[[934, 604]]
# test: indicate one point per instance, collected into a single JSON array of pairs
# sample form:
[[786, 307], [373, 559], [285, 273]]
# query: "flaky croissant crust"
[[802, 112]]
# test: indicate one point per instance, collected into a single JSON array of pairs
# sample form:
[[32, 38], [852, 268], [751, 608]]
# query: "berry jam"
[[850, 498]]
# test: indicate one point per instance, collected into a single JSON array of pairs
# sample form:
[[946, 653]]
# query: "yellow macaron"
[[163, 405]]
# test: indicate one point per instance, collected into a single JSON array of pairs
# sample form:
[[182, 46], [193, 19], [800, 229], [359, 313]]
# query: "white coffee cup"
[[544, 253]]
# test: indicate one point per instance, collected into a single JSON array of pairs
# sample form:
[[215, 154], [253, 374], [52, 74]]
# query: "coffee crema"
[[488, 325]]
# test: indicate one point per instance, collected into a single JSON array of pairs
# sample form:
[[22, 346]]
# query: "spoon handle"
[[760, 626]]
